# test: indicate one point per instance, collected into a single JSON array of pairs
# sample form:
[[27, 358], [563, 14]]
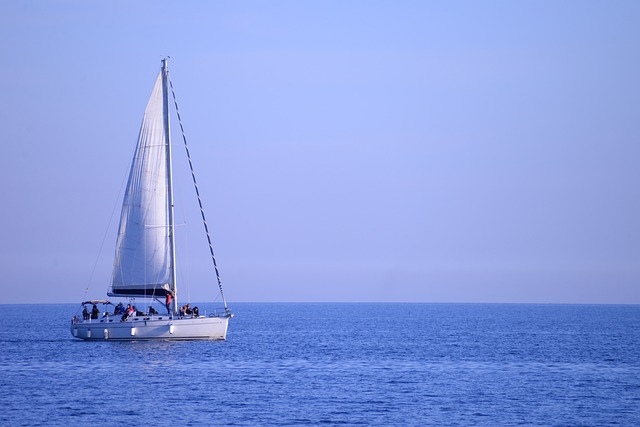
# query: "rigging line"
[[195, 184], [104, 238]]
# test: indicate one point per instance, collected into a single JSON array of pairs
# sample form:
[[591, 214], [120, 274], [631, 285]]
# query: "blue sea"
[[334, 364]]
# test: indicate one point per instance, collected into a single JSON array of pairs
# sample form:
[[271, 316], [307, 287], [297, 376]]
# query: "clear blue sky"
[[445, 151]]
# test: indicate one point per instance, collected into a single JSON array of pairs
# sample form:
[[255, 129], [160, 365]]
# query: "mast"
[[172, 240]]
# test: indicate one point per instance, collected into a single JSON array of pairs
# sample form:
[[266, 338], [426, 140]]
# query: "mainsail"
[[143, 264]]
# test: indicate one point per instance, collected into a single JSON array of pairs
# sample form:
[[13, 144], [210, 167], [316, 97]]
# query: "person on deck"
[[167, 302], [85, 313], [119, 309], [95, 312], [152, 311], [196, 312], [128, 312]]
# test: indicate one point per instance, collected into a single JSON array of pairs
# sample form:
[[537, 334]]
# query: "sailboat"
[[145, 256]]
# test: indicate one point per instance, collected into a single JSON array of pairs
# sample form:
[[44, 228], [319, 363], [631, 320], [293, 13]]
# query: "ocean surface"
[[334, 364]]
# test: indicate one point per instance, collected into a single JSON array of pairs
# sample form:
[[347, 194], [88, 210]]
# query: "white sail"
[[142, 264]]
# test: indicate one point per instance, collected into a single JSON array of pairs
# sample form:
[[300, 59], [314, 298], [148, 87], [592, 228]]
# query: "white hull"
[[151, 328]]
